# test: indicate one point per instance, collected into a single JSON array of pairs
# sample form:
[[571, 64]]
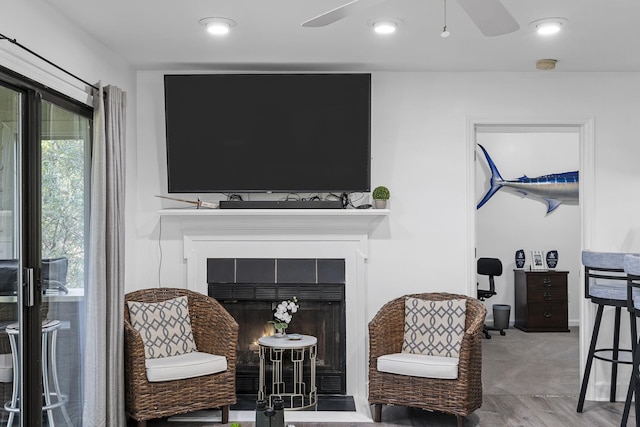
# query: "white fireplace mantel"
[[291, 220], [289, 233]]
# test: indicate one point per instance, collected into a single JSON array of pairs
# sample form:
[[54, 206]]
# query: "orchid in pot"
[[283, 313]]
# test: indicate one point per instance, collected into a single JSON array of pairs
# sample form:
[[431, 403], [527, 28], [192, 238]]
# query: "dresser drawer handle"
[[546, 296], [547, 282], [547, 315]]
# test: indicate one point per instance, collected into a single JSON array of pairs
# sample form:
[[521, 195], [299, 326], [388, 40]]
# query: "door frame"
[[586, 135], [30, 249]]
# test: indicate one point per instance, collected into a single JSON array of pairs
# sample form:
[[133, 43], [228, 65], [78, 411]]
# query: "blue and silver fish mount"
[[555, 188]]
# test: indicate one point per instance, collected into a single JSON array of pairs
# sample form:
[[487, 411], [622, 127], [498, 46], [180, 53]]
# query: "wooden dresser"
[[541, 301]]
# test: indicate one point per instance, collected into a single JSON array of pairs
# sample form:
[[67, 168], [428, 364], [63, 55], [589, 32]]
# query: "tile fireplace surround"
[[284, 233]]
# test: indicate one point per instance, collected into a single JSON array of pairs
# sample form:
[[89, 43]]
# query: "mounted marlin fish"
[[555, 188]]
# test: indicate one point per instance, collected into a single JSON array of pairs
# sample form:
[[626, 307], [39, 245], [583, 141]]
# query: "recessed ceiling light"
[[384, 26], [549, 26], [218, 26]]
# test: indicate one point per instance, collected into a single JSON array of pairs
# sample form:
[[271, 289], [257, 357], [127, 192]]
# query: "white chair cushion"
[[188, 365], [419, 365], [434, 328], [165, 327], [6, 368]]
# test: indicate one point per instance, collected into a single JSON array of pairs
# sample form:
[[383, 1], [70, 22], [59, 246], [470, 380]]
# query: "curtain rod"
[[15, 42]]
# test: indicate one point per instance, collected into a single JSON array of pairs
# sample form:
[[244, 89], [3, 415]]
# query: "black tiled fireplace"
[[249, 288]]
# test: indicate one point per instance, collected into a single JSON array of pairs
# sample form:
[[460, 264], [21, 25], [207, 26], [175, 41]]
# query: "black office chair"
[[8, 276], [489, 267], [54, 274]]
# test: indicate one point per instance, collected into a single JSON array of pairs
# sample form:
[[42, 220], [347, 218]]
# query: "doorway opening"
[[509, 221]]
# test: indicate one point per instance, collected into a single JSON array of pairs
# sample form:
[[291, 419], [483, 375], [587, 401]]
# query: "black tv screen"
[[268, 133]]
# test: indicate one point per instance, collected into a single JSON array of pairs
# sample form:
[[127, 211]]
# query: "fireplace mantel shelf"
[[363, 220], [364, 213]]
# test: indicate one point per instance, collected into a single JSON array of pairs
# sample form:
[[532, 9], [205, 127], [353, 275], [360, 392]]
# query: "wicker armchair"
[[214, 330], [460, 397]]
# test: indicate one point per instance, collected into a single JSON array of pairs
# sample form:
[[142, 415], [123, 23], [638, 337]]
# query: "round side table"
[[299, 396]]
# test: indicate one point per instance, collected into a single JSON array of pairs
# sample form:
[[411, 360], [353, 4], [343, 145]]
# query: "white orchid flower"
[[283, 312]]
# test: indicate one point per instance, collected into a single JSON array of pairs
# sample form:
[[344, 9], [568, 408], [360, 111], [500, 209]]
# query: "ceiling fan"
[[490, 16]]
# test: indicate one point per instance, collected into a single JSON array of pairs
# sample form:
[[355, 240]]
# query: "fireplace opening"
[[321, 313]]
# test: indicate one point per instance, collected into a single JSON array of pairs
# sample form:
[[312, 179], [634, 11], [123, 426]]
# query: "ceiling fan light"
[[445, 33], [385, 27]]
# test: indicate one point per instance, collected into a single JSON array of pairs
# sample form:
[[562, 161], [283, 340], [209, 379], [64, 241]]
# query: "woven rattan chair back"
[[459, 397], [215, 331]]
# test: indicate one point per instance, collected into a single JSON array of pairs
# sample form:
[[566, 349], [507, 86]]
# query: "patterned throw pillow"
[[165, 327], [434, 328]]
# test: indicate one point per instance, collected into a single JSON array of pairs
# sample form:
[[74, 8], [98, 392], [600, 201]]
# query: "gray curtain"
[[103, 353]]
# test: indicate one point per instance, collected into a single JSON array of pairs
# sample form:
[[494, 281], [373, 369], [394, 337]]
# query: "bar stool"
[[632, 269], [49, 340], [606, 285]]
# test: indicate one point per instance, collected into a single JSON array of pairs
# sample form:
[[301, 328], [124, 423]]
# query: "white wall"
[[508, 222], [39, 27], [420, 151]]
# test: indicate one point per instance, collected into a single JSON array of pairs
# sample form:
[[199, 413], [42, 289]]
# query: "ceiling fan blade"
[[339, 12], [490, 16]]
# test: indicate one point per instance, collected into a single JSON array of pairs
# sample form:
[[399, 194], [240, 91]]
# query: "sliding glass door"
[[44, 164], [11, 260], [65, 148]]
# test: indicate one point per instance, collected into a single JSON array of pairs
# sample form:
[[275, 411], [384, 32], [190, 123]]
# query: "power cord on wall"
[[234, 197], [160, 251], [348, 200]]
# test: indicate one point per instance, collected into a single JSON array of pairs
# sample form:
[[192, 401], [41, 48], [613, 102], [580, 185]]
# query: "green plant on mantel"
[[381, 193]]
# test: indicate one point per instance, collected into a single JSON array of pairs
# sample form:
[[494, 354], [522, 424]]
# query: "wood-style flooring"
[[528, 380]]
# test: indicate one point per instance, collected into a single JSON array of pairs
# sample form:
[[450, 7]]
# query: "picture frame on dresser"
[[537, 260]]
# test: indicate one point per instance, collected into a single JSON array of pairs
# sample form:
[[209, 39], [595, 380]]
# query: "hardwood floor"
[[525, 411], [496, 411], [529, 380]]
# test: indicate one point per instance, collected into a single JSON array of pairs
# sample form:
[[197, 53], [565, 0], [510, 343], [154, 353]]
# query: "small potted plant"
[[380, 196]]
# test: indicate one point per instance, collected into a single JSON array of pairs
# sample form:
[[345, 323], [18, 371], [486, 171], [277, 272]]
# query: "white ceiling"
[[601, 35]]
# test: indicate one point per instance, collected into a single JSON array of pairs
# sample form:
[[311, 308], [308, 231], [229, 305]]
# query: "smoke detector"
[[546, 64]]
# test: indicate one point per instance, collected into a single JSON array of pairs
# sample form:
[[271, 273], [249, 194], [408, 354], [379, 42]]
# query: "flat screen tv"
[[235, 133]]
